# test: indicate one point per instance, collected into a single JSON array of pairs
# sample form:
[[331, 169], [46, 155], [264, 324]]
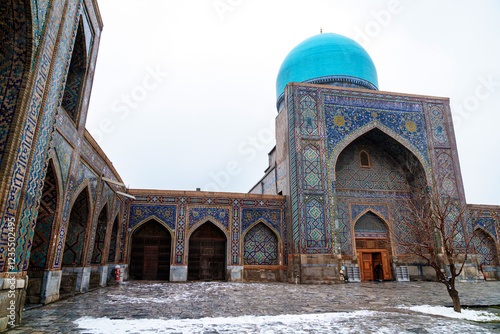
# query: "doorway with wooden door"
[[150, 255], [372, 248], [207, 253]]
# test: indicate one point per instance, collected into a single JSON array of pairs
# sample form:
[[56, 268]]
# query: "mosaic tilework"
[[312, 168], [260, 246], [235, 233], [24, 152], [14, 46], [272, 217], [315, 225], [113, 242], [44, 222], [41, 144], [180, 233], [309, 120], [123, 232], [64, 152], [358, 208], [100, 237], [438, 126], [198, 214], [487, 223], [76, 75], [165, 213], [383, 174], [343, 120], [77, 227], [294, 191], [485, 248], [40, 9], [66, 126]]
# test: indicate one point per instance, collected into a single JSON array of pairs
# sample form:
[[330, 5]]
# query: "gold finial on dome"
[[320, 30]]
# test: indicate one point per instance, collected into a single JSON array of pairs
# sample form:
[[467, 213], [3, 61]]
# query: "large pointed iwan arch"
[[376, 126]]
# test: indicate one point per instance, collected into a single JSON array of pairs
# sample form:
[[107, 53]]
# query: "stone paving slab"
[[170, 301]]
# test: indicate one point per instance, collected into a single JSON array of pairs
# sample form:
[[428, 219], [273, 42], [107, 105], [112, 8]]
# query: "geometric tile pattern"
[[384, 173], [438, 126], [485, 248], [312, 167], [220, 215], [14, 41], [64, 152], [45, 119], [309, 123], [260, 246], [44, 222], [28, 144], [315, 225], [76, 76], [77, 227], [487, 223], [370, 226], [100, 236], [139, 213], [271, 216], [344, 114], [113, 242]]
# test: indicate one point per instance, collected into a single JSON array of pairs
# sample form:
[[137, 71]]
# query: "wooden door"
[[366, 267], [150, 267], [207, 253], [150, 254], [386, 265]]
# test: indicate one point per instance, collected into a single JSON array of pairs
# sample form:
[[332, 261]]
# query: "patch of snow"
[[361, 321], [466, 314]]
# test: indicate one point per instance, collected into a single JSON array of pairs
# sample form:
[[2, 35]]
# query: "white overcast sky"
[[204, 118]]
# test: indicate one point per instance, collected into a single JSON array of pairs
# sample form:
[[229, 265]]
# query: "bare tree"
[[436, 223]]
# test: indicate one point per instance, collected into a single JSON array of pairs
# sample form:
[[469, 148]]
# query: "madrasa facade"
[[327, 209]]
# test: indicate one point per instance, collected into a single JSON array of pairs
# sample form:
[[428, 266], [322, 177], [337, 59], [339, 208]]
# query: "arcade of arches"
[[320, 205]]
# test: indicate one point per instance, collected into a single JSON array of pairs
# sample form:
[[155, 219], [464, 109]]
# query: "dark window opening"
[[364, 159]]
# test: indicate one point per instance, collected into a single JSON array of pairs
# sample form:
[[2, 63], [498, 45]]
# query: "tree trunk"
[[456, 299]]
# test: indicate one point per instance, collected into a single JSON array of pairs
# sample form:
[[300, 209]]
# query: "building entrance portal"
[[372, 248], [207, 254], [150, 256]]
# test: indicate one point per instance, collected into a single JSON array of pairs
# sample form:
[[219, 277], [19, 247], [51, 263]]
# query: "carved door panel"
[[386, 265], [366, 267], [150, 269]]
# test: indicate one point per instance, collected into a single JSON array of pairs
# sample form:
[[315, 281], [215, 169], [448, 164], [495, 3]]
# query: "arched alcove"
[[485, 248], [76, 76], [372, 247], [113, 242], [100, 236], [150, 256], [77, 228], [207, 253], [260, 246], [43, 235]]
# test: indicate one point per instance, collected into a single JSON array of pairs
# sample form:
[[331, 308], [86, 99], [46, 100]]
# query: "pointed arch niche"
[[207, 253], [372, 247], [43, 235], [151, 250], [261, 246], [485, 248]]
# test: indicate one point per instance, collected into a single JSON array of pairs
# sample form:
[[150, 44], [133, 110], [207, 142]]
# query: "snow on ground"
[[467, 314], [341, 322]]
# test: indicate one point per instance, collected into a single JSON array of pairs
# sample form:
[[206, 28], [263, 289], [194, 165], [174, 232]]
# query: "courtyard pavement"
[[220, 307]]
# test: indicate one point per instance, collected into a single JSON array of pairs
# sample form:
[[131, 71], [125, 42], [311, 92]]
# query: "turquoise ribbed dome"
[[330, 59]]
